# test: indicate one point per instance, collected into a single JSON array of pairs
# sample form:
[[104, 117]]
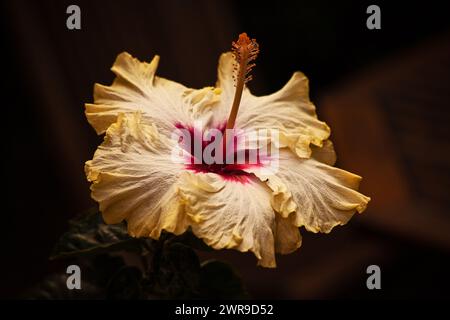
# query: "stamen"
[[245, 51]]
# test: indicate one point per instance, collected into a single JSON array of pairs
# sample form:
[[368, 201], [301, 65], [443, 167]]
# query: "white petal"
[[323, 196], [231, 214], [202, 103], [289, 110], [134, 179]]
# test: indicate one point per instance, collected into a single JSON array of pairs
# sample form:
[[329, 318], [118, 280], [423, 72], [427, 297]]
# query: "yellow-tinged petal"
[[231, 214], [134, 179], [324, 154], [289, 110], [324, 196], [137, 88], [287, 235]]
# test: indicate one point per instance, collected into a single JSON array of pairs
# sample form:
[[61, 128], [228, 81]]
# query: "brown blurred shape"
[[391, 125]]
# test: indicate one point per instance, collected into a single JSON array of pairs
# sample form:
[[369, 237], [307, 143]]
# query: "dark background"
[[383, 92]]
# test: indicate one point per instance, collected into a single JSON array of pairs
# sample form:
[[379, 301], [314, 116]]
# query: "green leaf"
[[219, 281], [189, 239], [54, 287], [178, 272], [88, 234]]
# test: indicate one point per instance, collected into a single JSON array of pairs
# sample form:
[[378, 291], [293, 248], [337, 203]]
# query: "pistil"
[[245, 51]]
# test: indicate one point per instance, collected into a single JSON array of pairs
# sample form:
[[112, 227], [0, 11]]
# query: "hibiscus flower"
[[247, 207]]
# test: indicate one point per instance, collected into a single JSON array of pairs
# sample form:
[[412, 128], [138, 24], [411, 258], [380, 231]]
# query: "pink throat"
[[228, 171]]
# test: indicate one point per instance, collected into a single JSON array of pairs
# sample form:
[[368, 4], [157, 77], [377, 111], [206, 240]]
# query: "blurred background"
[[385, 94]]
